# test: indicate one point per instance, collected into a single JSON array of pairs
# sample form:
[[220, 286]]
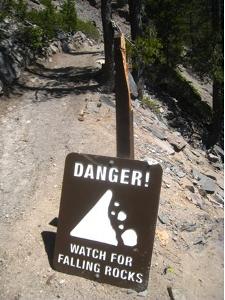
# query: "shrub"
[[21, 9], [6, 8], [172, 81], [68, 16], [150, 103], [33, 37], [88, 29], [48, 19]]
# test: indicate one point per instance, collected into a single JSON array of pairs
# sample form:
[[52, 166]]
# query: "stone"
[[133, 86], [36, 2], [163, 237], [14, 54], [178, 172], [17, 70], [136, 103], [167, 148], [143, 294], [1, 87], [181, 174], [81, 118], [198, 200], [6, 70], [202, 193], [218, 166], [207, 184], [196, 153], [196, 174], [219, 198], [199, 241], [163, 219], [157, 132], [220, 183], [219, 150], [213, 158], [190, 188], [65, 47], [54, 48], [151, 161], [189, 227], [178, 143]]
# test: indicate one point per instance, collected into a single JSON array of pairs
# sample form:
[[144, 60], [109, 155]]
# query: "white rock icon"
[[129, 237], [96, 225]]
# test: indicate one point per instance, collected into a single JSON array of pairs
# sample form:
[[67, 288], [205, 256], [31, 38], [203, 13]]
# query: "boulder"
[[177, 142], [1, 87], [207, 184], [133, 86], [160, 134], [7, 72]]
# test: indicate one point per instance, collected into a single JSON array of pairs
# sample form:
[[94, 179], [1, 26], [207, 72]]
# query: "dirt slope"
[[58, 110]]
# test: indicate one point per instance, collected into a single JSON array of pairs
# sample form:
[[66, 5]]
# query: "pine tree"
[[108, 35], [68, 16], [206, 54]]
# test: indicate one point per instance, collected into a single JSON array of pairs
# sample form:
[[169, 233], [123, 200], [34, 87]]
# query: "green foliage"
[[172, 81], [147, 49], [52, 20], [33, 37], [167, 16], [88, 29], [190, 32], [68, 16], [205, 39], [6, 8], [150, 103], [47, 21], [21, 9]]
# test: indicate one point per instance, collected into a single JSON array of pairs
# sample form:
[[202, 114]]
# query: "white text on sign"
[[112, 174], [82, 258]]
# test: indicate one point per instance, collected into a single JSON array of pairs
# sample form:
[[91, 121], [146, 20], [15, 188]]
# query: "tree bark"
[[136, 31], [215, 130], [218, 104], [108, 34], [135, 18]]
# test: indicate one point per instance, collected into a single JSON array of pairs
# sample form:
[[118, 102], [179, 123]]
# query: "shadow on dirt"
[[67, 74], [54, 222], [93, 53], [74, 74], [60, 82], [48, 238]]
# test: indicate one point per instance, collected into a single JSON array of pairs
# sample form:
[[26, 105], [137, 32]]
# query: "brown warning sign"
[[107, 219]]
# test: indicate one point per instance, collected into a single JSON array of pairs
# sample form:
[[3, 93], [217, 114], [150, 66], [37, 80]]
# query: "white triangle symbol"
[[96, 225]]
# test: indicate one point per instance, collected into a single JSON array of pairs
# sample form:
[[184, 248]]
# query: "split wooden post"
[[124, 112]]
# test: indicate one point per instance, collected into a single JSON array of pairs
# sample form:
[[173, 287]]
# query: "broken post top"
[[124, 114]]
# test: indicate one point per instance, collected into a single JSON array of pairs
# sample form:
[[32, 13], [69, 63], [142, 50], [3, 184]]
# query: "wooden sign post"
[[124, 113]]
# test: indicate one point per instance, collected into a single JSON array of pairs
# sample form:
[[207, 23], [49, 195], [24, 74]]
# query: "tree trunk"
[[136, 31], [218, 114], [218, 105], [135, 18], [108, 33]]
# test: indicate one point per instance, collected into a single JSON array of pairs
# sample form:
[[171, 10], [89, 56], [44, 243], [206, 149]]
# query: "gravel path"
[[40, 125]]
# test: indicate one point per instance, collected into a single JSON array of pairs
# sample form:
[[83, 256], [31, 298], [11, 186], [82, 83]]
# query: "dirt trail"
[[58, 110]]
